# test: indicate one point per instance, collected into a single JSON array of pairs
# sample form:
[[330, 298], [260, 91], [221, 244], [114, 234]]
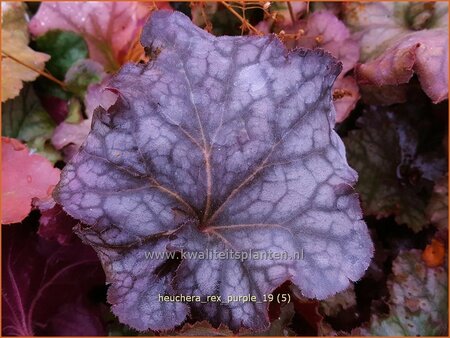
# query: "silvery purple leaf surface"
[[218, 143]]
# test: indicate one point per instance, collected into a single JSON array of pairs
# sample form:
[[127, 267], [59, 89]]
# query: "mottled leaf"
[[65, 48], [15, 41], [107, 27], [81, 75], [396, 175], [377, 24], [220, 143], [418, 304], [279, 327], [25, 119], [24, 176], [399, 39], [340, 301], [46, 287]]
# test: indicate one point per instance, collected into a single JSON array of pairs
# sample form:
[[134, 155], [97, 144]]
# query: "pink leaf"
[[400, 39], [25, 176], [424, 53], [67, 133], [345, 95], [324, 30]]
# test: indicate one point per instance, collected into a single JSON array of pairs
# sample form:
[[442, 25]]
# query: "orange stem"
[[40, 72], [243, 20]]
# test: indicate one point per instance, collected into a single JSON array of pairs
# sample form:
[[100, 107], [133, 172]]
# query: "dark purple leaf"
[[77, 319], [220, 143], [396, 172], [56, 107], [55, 224], [45, 286]]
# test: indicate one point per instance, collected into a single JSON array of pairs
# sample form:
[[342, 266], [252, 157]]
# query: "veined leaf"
[[220, 143]]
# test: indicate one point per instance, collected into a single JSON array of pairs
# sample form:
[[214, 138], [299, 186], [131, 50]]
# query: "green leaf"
[[25, 119], [280, 326], [75, 114], [340, 301], [82, 74], [396, 172], [418, 299], [65, 48]]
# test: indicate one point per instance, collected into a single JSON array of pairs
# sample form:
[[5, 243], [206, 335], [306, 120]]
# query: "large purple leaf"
[[221, 144]]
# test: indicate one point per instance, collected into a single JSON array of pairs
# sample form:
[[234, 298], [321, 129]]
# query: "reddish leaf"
[[324, 30], [24, 176], [345, 96], [422, 52]]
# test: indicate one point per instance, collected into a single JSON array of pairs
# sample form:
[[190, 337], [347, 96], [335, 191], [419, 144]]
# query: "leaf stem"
[[40, 72], [291, 11], [243, 20]]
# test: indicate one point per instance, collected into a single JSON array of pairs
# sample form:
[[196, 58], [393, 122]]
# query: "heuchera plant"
[[219, 143]]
